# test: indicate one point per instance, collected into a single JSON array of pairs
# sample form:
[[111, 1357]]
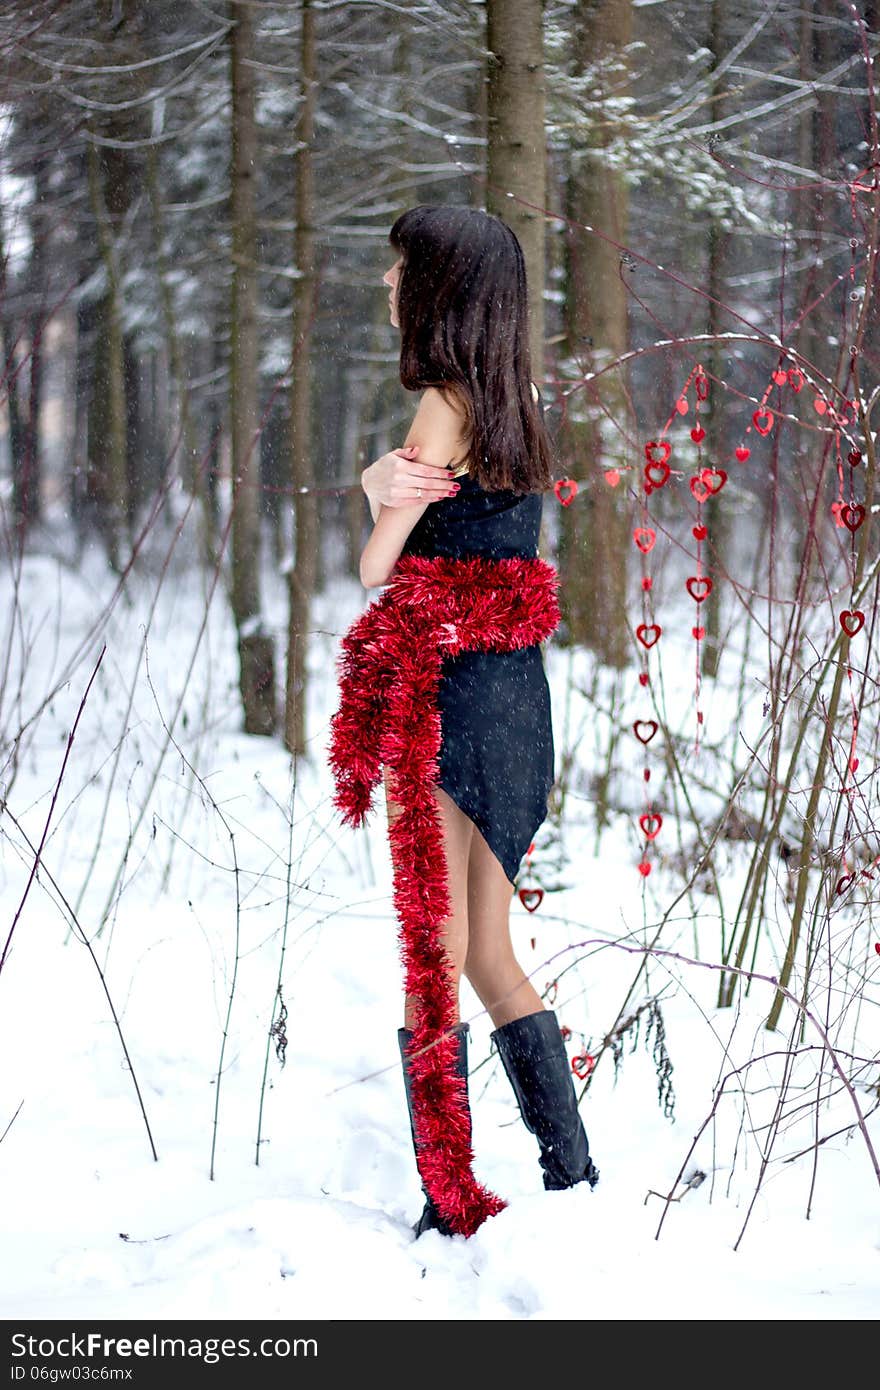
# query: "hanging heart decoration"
[[699, 633], [567, 486], [795, 378], [699, 488], [643, 678], [853, 764], [852, 516], [700, 532], [656, 473], [658, 451], [531, 898], [644, 869], [645, 729], [699, 587], [780, 376], [843, 883], [877, 947], [650, 824], [648, 633], [714, 478], [852, 622], [681, 405], [644, 537], [763, 420], [698, 434], [854, 458], [701, 386], [742, 453], [820, 405], [565, 1031], [612, 477], [647, 582], [582, 1065]]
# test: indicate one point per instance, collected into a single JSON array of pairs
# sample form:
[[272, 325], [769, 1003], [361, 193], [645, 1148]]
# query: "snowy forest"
[[198, 975]]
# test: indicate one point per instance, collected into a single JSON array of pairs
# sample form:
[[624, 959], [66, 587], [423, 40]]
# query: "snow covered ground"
[[200, 863]]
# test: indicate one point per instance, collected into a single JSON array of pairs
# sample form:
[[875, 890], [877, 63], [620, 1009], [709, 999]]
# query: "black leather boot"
[[430, 1219], [534, 1056]]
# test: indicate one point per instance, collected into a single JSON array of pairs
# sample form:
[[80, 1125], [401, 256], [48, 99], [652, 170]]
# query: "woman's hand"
[[398, 479]]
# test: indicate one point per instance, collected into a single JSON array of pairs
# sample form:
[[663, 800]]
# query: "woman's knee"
[[488, 963]]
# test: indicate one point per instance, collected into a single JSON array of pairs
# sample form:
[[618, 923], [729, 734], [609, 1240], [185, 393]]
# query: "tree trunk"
[[194, 474], [302, 573], [593, 546], [108, 443], [255, 648], [8, 368], [716, 510], [27, 492], [516, 154]]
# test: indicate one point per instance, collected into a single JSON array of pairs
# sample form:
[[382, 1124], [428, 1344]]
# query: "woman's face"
[[391, 278]]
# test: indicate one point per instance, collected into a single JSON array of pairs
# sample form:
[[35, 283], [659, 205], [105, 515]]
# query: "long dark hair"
[[463, 311]]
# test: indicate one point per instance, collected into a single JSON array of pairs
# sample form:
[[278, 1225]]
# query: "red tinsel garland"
[[389, 670]]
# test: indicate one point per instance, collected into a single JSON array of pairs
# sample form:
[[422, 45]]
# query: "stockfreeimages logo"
[[94, 1345]]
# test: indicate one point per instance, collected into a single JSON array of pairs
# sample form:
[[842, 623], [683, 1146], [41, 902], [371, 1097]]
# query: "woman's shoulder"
[[442, 411]]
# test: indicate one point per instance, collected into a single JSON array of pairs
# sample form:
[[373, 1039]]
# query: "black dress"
[[496, 755]]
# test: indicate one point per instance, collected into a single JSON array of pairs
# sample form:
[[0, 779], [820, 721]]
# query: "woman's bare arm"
[[437, 431]]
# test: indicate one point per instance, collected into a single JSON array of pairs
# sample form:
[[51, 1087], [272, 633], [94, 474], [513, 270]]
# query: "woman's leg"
[[457, 831], [490, 965]]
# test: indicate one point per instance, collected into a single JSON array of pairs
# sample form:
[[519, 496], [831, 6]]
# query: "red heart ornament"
[[852, 622], [795, 378], [531, 898], [699, 587], [714, 478], [854, 458], [820, 405], [852, 516], [650, 726], [763, 420], [567, 486], [698, 434], [681, 405], [657, 451], [877, 947], [699, 633], [700, 533], [565, 1031], [656, 473], [780, 376], [701, 386], [650, 824], [647, 774], [647, 582], [742, 453], [843, 883], [698, 488], [644, 869], [648, 633], [853, 764], [612, 477], [643, 678], [582, 1065], [644, 537]]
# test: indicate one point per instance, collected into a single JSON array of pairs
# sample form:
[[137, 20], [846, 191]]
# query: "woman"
[[458, 712]]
